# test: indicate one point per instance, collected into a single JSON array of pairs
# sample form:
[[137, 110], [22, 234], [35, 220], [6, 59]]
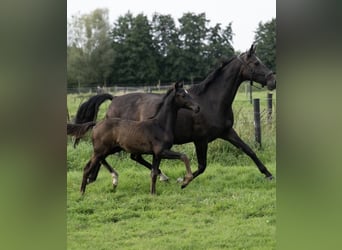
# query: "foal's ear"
[[178, 85], [251, 50]]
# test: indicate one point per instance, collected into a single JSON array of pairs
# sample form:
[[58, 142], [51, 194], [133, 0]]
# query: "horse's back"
[[134, 106]]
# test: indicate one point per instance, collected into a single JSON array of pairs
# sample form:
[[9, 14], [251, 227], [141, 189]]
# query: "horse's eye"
[[257, 63]]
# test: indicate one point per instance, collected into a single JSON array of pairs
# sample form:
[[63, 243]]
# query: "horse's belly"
[[139, 148]]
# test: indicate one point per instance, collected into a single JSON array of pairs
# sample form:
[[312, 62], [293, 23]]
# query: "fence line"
[[260, 116]]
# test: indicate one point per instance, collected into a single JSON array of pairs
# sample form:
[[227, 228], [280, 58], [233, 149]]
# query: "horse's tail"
[[79, 130], [88, 110]]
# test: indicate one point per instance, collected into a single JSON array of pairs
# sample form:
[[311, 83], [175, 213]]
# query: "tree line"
[[137, 51]]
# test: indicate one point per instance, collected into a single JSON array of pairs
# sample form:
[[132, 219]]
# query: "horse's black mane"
[[202, 86]]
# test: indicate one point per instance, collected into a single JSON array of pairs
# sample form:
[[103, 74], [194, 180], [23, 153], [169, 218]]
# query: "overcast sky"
[[244, 14]]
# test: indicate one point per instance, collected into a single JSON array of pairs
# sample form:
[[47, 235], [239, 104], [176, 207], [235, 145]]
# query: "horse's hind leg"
[[139, 159], [201, 152], [114, 174], [234, 139]]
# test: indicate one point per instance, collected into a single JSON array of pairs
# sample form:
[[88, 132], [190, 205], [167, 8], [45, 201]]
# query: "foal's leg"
[[234, 139], [93, 174], [114, 174], [154, 173], [169, 154], [92, 163], [76, 141], [139, 159]]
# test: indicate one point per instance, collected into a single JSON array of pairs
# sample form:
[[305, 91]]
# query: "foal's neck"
[[167, 114]]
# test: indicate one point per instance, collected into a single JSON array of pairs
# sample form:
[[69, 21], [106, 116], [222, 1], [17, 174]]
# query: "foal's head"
[[183, 99]]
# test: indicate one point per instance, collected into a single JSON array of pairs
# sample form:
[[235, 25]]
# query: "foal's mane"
[[161, 103], [202, 86]]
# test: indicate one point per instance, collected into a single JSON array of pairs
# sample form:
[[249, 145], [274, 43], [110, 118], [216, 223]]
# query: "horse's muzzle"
[[271, 81], [271, 85]]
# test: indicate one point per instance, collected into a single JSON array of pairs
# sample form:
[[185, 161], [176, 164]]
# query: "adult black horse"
[[215, 96]]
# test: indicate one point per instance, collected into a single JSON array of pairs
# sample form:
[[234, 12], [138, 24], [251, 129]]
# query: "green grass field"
[[230, 206]]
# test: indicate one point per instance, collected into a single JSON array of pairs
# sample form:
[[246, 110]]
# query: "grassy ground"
[[225, 208], [230, 206]]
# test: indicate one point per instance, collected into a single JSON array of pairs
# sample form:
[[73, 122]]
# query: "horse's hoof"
[[270, 178], [163, 177]]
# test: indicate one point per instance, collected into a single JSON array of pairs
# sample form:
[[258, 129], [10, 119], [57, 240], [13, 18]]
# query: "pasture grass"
[[225, 208], [230, 206]]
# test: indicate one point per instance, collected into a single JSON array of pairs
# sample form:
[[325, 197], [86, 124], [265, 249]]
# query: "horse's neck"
[[167, 115], [223, 89]]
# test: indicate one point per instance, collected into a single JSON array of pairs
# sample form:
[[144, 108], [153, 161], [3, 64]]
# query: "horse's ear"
[[251, 50]]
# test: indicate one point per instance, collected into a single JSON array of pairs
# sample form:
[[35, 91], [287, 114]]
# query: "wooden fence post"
[[269, 109], [250, 93], [68, 116], [257, 127]]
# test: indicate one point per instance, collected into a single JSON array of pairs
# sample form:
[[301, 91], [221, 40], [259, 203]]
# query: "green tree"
[[135, 59], [193, 31], [75, 54], [168, 45], [98, 46], [219, 44], [89, 50], [75, 66], [265, 37]]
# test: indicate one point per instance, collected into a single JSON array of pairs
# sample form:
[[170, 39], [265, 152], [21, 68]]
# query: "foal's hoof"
[[114, 184], [187, 180], [163, 177], [180, 179]]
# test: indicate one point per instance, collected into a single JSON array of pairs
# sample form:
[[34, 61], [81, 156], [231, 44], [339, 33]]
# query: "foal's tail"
[[86, 116], [79, 130], [87, 112]]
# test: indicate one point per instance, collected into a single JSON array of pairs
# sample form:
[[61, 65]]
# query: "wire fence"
[[260, 113], [116, 89]]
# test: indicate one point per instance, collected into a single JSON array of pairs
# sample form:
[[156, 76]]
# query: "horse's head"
[[183, 98], [253, 69]]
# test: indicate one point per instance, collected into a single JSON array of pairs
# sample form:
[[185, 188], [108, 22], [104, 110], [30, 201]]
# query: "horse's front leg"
[[169, 154], [234, 139], [138, 158], [201, 153]]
